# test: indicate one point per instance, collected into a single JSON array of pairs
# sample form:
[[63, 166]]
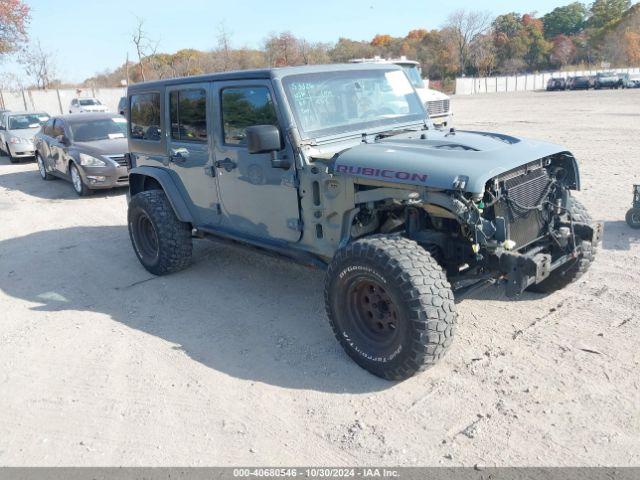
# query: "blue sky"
[[91, 36]]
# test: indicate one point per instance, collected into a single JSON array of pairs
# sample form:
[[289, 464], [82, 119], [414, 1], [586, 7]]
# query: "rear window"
[[188, 115], [145, 116]]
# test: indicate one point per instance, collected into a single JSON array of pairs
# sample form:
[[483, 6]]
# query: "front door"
[[190, 147], [258, 200]]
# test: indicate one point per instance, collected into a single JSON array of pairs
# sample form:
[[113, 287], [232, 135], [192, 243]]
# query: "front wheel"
[[78, 184], [161, 241], [42, 169], [12, 159], [633, 218], [390, 306], [572, 271]]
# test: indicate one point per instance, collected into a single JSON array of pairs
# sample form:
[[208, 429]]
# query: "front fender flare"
[[137, 176]]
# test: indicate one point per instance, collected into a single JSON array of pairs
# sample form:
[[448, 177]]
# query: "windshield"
[[28, 120], [89, 101], [414, 74], [329, 103], [103, 129]]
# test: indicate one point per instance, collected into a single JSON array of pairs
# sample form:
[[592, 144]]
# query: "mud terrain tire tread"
[[174, 236], [424, 291], [562, 277]]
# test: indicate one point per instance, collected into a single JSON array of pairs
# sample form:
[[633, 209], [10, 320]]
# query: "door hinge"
[[295, 224], [210, 171]]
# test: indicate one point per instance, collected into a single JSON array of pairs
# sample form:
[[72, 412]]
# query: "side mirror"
[[263, 139], [2, 128], [63, 140]]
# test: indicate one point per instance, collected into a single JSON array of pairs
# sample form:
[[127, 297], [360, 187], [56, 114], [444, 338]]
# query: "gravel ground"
[[232, 361]]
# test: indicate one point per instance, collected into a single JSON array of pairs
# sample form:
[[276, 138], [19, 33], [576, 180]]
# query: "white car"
[[437, 103], [83, 105], [17, 130]]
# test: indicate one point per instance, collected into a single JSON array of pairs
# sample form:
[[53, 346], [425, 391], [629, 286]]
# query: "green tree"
[[568, 20], [604, 12]]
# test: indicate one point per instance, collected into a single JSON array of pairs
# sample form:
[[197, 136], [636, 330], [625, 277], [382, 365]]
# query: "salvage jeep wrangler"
[[339, 166]]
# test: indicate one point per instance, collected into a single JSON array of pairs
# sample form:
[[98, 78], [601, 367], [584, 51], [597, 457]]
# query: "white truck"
[[437, 103]]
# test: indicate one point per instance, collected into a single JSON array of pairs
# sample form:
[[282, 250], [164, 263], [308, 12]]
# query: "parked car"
[[608, 80], [86, 105], [122, 106], [630, 80], [88, 149], [17, 130], [582, 82], [438, 104], [339, 166], [556, 84]]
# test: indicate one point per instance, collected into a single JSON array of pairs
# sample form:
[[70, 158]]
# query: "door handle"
[[179, 155], [227, 164]]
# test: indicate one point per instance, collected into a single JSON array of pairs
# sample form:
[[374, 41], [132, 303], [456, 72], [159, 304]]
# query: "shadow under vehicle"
[[88, 149], [339, 166]]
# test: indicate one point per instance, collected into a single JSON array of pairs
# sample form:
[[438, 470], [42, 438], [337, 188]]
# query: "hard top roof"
[[264, 73]]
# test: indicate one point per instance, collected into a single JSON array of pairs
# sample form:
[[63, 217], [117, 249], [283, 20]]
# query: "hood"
[[117, 146], [428, 95], [442, 159], [27, 133]]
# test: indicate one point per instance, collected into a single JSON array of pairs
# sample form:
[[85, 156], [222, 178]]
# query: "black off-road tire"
[[571, 272], [420, 310], [633, 218], [162, 243]]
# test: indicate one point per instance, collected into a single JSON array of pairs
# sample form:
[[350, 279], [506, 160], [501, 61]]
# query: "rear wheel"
[[390, 306], [573, 270], [161, 241], [633, 218]]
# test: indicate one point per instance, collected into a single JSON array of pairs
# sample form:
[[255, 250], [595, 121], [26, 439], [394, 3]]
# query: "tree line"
[[470, 43]]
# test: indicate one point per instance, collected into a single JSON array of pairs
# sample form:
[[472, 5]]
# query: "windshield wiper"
[[394, 132]]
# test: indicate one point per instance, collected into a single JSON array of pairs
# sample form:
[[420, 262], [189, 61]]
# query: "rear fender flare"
[[137, 178]]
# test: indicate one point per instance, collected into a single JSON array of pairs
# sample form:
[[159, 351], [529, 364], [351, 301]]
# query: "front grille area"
[[119, 159], [521, 190], [438, 107]]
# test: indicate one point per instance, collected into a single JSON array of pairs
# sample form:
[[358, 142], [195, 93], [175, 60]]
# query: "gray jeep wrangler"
[[339, 166]]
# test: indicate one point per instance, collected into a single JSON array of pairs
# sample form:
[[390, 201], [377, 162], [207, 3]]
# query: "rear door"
[[190, 147], [258, 200]]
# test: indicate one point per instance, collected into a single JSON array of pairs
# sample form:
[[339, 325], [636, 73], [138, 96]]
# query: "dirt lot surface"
[[233, 362]]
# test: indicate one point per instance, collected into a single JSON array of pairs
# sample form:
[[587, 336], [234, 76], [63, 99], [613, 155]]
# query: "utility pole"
[[126, 68]]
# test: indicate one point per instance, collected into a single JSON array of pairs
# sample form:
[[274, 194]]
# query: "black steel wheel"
[[390, 306]]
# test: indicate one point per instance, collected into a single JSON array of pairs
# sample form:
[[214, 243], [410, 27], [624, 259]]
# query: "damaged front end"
[[525, 227]]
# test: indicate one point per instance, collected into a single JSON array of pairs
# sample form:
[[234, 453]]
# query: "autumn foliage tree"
[[14, 19]]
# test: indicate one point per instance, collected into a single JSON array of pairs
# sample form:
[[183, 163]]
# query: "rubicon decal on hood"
[[382, 174]]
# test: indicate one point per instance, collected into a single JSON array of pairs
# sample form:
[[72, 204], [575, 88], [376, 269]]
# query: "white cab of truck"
[[437, 103]]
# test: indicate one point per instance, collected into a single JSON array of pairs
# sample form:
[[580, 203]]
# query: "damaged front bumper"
[[522, 270]]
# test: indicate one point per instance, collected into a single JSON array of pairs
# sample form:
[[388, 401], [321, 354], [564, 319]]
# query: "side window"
[[145, 116], [74, 102], [188, 112], [47, 129], [244, 107], [58, 128]]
